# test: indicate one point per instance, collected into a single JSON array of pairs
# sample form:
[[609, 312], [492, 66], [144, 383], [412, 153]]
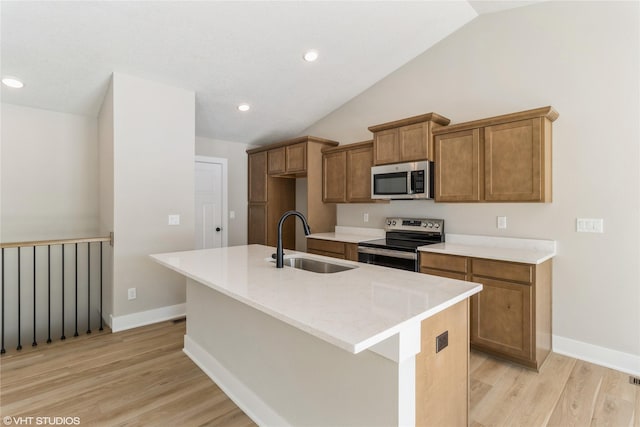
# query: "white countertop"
[[354, 309], [528, 251], [350, 234]]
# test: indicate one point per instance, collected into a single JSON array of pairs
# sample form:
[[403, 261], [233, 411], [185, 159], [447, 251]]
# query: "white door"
[[210, 209]]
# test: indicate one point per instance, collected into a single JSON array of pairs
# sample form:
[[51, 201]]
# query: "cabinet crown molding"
[[343, 147], [432, 117], [306, 138], [546, 112]]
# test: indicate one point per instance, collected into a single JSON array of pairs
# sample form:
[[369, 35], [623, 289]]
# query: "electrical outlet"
[[131, 294], [442, 341], [589, 225], [365, 217], [502, 222], [232, 214], [174, 220]]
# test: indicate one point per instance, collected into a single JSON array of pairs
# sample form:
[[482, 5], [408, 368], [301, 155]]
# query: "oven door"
[[388, 258]]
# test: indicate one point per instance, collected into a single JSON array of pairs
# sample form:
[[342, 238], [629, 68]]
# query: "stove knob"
[[388, 222], [430, 225], [436, 225], [424, 224], [393, 223]]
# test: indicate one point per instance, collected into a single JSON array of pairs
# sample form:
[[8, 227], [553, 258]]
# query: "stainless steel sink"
[[315, 265]]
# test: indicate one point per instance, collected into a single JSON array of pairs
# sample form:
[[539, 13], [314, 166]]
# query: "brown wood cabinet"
[[346, 174], [500, 159], [333, 248], [273, 170], [288, 160], [511, 316], [442, 377], [269, 198], [405, 140]]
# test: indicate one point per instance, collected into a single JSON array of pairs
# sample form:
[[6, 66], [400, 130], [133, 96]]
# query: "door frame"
[[225, 193]]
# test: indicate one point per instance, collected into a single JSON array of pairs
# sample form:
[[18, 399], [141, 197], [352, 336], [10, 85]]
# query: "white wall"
[[49, 175], [153, 164], [236, 155], [106, 195], [583, 59]]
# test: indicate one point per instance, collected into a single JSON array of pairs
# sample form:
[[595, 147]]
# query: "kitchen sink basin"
[[315, 265]]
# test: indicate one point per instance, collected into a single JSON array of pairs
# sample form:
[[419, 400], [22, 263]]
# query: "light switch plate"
[[589, 225], [502, 222], [174, 219]]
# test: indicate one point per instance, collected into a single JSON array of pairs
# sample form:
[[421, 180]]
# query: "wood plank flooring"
[[141, 377]]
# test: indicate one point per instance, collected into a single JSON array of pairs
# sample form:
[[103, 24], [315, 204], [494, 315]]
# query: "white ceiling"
[[227, 52]]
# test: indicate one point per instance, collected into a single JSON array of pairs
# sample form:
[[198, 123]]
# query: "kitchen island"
[[358, 347]]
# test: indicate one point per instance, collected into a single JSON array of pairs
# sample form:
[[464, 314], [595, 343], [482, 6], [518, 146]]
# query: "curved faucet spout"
[[279, 250]]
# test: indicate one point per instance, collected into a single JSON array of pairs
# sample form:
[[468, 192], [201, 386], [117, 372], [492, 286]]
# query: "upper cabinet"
[[289, 158], [500, 159], [346, 173], [272, 189], [405, 140]]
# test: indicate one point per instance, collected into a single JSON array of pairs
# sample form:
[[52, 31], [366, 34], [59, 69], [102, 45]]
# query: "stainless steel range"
[[399, 249]]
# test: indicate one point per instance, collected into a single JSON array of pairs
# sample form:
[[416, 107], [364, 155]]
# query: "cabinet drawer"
[[323, 253], [442, 273], [325, 246], [503, 270], [444, 262]]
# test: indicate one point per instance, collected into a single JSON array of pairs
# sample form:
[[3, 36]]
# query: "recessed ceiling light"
[[12, 82], [244, 107], [310, 55]]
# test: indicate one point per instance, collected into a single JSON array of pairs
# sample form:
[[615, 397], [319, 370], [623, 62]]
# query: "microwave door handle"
[[410, 183]]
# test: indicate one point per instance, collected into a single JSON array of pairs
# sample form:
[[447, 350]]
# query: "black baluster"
[[88, 287], [62, 337], [101, 328], [76, 332], [2, 350], [49, 294], [34, 343], [19, 302]]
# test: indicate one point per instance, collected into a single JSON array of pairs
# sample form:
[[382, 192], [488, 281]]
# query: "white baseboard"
[[134, 320], [624, 362], [251, 404]]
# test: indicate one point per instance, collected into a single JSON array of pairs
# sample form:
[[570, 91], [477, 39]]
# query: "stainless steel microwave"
[[402, 181]]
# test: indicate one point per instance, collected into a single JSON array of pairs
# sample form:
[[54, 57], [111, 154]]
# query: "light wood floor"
[[141, 377]]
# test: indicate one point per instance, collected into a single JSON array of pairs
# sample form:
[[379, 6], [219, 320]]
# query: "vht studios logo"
[[41, 421]]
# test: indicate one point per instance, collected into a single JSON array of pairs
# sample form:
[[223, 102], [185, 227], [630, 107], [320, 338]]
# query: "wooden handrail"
[[55, 242]]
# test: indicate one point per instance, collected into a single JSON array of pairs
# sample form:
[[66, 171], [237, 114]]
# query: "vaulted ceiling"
[[227, 52]]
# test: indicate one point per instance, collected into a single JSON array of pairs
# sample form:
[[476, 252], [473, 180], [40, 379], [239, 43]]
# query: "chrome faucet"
[[279, 251]]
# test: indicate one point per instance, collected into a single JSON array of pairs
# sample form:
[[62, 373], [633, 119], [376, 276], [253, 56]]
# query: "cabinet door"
[[501, 318], [458, 167], [296, 158], [414, 142], [359, 162], [257, 219], [277, 160], [454, 263], [513, 161], [385, 147], [258, 177], [334, 180]]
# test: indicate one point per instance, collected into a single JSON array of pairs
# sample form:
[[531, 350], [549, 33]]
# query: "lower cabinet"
[[332, 248], [511, 317], [442, 374]]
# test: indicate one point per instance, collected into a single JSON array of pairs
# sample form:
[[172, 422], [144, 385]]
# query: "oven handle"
[[387, 252]]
